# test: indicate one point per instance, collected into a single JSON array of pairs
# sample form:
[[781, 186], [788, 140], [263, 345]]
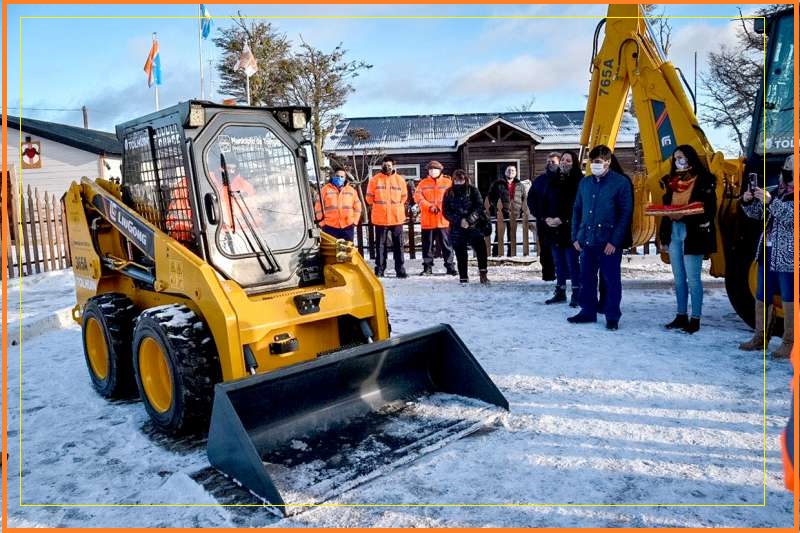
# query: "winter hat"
[[435, 164]]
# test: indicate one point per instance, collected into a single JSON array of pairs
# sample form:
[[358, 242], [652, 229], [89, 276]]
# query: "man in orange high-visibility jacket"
[[387, 194], [338, 208], [435, 228]]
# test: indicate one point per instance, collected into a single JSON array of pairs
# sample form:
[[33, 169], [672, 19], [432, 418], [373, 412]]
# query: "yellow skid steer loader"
[[203, 282]]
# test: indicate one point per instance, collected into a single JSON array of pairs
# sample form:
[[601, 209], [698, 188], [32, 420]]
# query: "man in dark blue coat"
[[600, 219]]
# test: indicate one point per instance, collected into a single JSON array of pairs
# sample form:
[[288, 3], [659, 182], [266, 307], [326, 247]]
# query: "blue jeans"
[[593, 260], [777, 282], [340, 233], [566, 260], [686, 270]]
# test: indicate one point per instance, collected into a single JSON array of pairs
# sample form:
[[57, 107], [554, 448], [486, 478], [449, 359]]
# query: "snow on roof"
[[426, 132]]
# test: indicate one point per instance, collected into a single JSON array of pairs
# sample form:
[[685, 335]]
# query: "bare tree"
[[733, 79], [662, 28], [322, 81], [524, 107], [358, 164]]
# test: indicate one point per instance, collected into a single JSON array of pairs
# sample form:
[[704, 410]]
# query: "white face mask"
[[681, 164], [434, 172], [598, 169]]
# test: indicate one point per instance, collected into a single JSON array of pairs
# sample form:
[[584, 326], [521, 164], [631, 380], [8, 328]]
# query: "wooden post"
[[65, 233], [58, 222], [371, 240], [50, 236], [42, 229], [525, 231], [412, 245], [360, 238], [14, 219], [23, 234], [512, 231], [9, 255], [500, 223], [32, 223]]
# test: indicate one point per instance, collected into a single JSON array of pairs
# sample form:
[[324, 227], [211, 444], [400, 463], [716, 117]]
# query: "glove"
[[433, 209]]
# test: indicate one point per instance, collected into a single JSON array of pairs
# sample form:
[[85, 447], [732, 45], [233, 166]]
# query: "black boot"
[[582, 318], [484, 277], [402, 273], [427, 270], [559, 296], [451, 270], [574, 299], [693, 326], [680, 322], [379, 272]]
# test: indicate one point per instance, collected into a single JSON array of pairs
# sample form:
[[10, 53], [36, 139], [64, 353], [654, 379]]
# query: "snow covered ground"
[[598, 420]]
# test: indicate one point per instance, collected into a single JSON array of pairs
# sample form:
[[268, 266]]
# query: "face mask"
[[565, 168], [787, 176], [459, 183], [681, 164], [434, 172], [338, 181], [387, 169], [598, 169], [553, 167]]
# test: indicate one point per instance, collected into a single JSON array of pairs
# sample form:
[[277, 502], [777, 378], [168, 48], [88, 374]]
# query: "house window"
[[407, 171]]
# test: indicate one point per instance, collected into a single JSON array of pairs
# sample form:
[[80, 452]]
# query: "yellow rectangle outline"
[[475, 17]]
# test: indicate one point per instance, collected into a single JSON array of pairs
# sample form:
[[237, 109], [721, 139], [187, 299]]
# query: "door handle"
[[211, 208]]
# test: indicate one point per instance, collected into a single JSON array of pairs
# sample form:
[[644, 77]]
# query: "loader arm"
[[630, 61]]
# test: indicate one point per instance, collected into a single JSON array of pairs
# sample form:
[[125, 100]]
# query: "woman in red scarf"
[[688, 239]]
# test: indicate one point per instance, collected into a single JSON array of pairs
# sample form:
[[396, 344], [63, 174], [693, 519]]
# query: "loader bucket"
[[300, 435]]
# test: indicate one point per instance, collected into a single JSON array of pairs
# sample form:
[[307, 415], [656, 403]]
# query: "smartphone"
[[752, 181]]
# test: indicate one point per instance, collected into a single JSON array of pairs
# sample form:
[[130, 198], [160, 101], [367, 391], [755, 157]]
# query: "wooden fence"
[[507, 239], [38, 233]]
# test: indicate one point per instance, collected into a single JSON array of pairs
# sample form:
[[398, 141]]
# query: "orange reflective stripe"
[[788, 470]]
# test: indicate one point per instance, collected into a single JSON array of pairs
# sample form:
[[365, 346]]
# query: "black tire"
[[737, 285], [193, 364], [113, 313], [742, 298]]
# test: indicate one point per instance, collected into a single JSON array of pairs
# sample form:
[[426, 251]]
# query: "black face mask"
[[387, 169], [787, 176]]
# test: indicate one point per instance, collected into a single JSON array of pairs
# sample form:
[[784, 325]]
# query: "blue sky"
[[420, 66]]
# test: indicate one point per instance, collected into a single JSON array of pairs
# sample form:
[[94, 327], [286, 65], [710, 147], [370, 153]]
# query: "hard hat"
[[788, 164]]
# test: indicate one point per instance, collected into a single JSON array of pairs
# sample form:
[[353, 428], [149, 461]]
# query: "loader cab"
[[771, 137], [229, 183]]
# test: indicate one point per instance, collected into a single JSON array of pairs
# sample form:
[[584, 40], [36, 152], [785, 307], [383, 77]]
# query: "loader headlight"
[[197, 116], [299, 119]]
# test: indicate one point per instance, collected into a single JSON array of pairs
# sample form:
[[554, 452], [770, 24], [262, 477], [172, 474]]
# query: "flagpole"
[[155, 39], [247, 87], [200, 47]]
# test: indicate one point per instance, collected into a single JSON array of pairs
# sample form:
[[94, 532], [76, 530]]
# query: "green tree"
[[272, 50]]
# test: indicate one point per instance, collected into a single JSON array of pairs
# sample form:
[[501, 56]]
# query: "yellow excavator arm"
[[630, 61]]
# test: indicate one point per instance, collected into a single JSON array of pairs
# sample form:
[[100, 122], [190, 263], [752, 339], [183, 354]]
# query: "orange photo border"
[[5, 232]]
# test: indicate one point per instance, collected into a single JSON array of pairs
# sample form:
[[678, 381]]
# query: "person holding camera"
[[463, 208], [777, 257]]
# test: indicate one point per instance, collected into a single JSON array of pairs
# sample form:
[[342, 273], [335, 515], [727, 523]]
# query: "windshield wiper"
[[263, 252]]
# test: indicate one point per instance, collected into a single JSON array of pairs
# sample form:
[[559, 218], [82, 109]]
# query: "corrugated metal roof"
[[95, 141], [426, 132]]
